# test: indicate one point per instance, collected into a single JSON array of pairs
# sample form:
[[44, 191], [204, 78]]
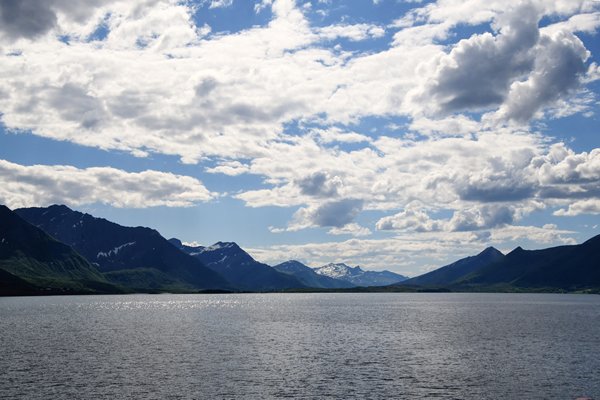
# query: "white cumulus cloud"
[[40, 185]]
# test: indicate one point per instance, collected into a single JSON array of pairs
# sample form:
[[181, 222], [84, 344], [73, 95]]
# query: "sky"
[[390, 134]]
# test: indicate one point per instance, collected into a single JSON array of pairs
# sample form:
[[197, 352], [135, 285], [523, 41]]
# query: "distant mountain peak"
[[309, 276], [176, 242], [235, 264], [293, 264], [334, 270], [517, 250], [231, 246], [339, 265], [225, 245], [457, 270], [59, 207], [490, 249], [358, 276]]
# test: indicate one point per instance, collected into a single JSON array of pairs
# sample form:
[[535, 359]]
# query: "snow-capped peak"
[[219, 246], [338, 270], [358, 276]]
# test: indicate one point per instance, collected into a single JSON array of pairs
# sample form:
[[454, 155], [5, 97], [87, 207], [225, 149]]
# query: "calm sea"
[[313, 346]]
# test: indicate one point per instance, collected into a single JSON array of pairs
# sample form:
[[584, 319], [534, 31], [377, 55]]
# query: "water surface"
[[448, 346]]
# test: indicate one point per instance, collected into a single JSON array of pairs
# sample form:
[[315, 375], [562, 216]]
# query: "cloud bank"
[[284, 101], [41, 185]]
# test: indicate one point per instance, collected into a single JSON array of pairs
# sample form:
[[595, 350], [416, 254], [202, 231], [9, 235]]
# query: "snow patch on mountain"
[[215, 247], [114, 251]]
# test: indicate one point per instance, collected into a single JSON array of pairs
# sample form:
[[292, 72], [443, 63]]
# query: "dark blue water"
[[449, 346]]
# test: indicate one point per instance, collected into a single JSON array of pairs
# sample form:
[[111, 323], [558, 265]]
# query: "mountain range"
[[239, 268], [575, 267], [309, 277], [136, 258], [562, 268], [56, 250], [358, 277]]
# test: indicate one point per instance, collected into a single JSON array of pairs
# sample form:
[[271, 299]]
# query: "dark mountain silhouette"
[[458, 270], [309, 277], [239, 268], [32, 262], [138, 258], [570, 268]]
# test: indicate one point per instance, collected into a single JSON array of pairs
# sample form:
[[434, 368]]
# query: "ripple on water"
[[446, 346]]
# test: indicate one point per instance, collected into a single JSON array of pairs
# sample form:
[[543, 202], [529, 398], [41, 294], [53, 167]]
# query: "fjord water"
[[454, 346]]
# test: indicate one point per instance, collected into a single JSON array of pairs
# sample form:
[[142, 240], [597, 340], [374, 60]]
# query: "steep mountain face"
[[30, 259], [564, 267], [309, 277], [358, 277], [239, 268], [458, 270], [139, 258]]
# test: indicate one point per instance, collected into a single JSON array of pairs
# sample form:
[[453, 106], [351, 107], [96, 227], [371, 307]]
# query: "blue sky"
[[389, 134]]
